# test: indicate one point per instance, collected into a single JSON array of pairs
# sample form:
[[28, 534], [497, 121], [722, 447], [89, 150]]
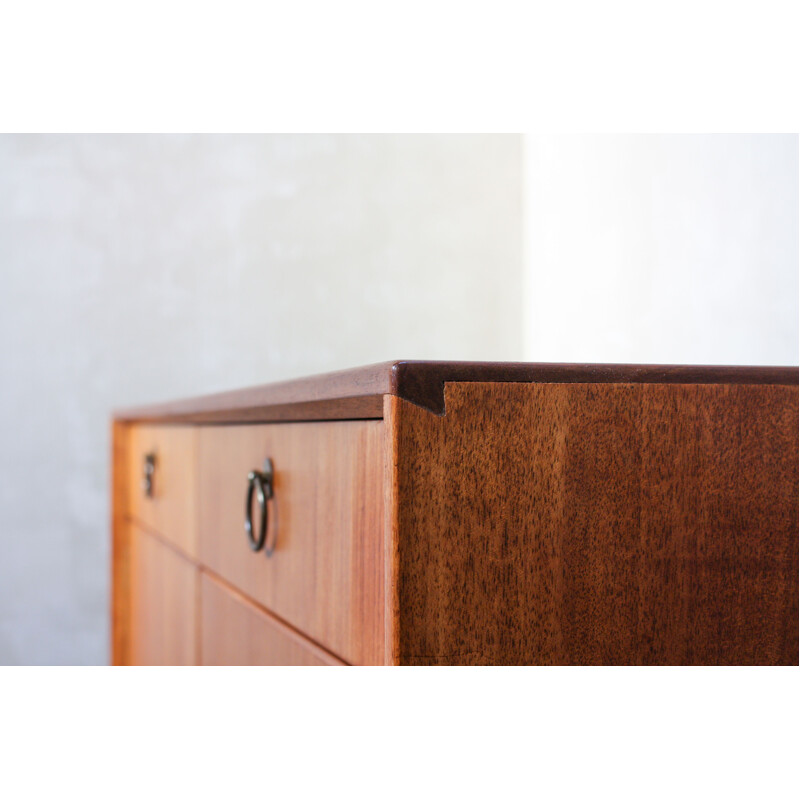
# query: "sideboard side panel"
[[596, 524]]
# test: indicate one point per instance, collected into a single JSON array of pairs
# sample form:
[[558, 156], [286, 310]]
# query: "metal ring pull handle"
[[259, 484]]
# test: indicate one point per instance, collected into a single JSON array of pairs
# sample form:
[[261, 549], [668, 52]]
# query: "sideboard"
[[414, 513]]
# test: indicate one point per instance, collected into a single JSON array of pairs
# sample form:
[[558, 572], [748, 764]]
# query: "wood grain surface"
[[502, 513], [594, 524], [325, 577], [349, 394], [423, 382], [358, 393], [234, 632], [120, 546], [172, 510], [163, 603]]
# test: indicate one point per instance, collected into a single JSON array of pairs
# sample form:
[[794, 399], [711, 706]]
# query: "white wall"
[[135, 269], [662, 249]]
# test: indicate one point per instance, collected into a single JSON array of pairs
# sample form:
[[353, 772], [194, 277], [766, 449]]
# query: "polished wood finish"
[[326, 574], [467, 513], [423, 382], [358, 393], [235, 631], [350, 394], [164, 603], [595, 524], [172, 510]]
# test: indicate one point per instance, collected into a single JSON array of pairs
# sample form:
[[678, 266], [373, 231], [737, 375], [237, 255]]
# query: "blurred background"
[[143, 268]]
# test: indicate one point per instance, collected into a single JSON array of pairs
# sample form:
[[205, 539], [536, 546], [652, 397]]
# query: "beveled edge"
[[422, 382], [358, 393]]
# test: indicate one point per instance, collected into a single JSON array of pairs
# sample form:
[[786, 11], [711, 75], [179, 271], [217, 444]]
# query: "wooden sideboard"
[[463, 513]]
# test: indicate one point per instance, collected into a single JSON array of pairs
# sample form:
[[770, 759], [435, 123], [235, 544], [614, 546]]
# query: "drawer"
[[235, 632], [163, 603], [325, 576], [170, 507]]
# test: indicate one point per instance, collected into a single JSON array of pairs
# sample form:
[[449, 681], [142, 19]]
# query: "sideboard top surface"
[[358, 393]]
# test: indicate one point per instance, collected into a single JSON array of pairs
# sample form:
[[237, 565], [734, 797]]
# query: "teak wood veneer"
[[464, 513]]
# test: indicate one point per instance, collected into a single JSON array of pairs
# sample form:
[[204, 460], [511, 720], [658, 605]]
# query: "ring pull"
[[260, 485], [148, 470]]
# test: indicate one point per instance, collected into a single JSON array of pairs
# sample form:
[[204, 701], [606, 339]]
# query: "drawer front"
[[325, 576], [163, 603], [234, 632], [170, 506]]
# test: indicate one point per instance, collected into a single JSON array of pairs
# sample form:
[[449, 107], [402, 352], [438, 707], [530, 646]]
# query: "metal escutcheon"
[[147, 474], [260, 485]]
